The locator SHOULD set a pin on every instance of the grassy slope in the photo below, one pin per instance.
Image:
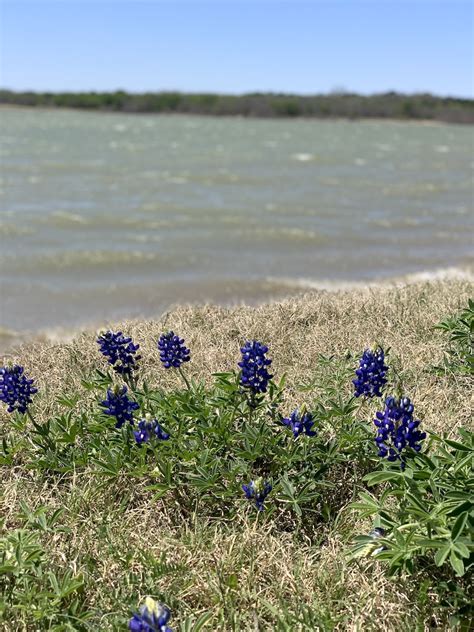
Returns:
(117, 534)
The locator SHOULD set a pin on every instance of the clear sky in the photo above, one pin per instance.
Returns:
(235, 47)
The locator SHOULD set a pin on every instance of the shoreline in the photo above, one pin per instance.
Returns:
(348, 105)
(329, 119)
(12, 341)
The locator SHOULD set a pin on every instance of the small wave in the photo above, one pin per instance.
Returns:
(303, 157)
(81, 259)
(63, 218)
(7, 334)
(11, 340)
(292, 233)
(441, 274)
(8, 229)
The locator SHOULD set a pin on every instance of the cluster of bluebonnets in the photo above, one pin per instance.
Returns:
(396, 427)
(397, 430)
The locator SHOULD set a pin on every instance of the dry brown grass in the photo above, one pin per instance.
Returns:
(297, 330)
(231, 570)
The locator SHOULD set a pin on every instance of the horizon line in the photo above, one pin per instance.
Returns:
(335, 92)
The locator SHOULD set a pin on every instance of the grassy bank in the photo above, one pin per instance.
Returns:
(112, 537)
(343, 105)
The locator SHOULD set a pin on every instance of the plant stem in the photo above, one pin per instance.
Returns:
(181, 372)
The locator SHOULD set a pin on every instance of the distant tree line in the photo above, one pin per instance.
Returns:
(343, 104)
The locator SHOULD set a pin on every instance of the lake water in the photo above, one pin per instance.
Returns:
(106, 216)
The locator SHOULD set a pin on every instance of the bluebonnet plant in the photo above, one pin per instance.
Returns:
(172, 350)
(371, 373)
(120, 352)
(254, 374)
(16, 389)
(258, 490)
(152, 617)
(397, 430)
(117, 404)
(300, 423)
(149, 428)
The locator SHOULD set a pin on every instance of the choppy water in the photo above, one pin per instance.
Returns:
(112, 215)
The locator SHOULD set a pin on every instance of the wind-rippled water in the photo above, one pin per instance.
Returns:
(113, 215)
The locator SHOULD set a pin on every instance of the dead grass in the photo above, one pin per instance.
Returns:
(297, 330)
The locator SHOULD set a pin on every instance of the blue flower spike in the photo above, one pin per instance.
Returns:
(117, 404)
(371, 373)
(16, 389)
(254, 363)
(173, 353)
(299, 423)
(152, 617)
(397, 430)
(149, 429)
(120, 352)
(257, 490)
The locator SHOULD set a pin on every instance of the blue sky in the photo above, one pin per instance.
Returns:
(235, 47)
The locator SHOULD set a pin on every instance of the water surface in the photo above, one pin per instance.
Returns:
(113, 215)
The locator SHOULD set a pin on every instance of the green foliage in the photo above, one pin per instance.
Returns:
(427, 509)
(220, 438)
(388, 105)
(34, 591)
(460, 329)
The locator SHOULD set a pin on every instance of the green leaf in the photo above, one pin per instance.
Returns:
(461, 548)
(459, 525)
(380, 477)
(457, 564)
(442, 554)
(458, 446)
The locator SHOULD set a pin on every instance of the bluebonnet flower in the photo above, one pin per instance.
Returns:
(254, 367)
(300, 422)
(152, 617)
(258, 490)
(15, 388)
(149, 428)
(172, 350)
(371, 373)
(117, 404)
(397, 430)
(119, 351)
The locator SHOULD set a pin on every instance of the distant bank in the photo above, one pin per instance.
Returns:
(264, 105)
